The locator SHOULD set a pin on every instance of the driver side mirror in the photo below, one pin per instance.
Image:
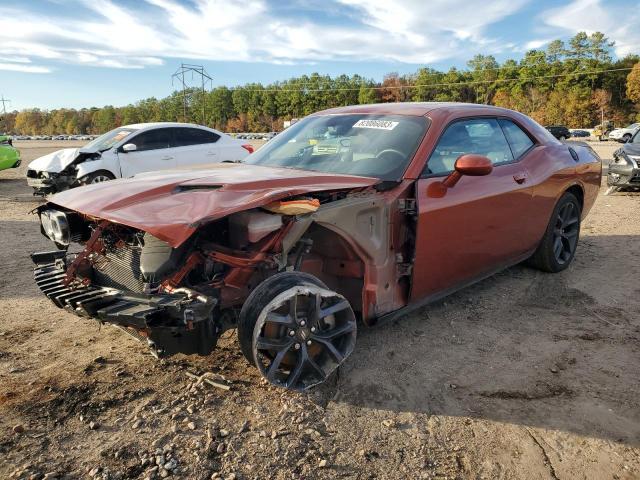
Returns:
(129, 147)
(471, 165)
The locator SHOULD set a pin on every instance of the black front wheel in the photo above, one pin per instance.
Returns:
(558, 245)
(295, 330)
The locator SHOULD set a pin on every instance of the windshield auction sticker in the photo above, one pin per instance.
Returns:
(379, 124)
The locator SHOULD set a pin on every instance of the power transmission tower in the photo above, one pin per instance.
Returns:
(4, 101)
(194, 70)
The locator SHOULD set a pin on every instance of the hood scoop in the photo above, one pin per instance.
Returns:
(191, 188)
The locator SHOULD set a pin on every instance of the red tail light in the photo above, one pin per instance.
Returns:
(248, 148)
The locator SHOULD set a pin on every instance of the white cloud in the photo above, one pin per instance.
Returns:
(19, 67)
(144, 34)
(619, 24)
(535, 44)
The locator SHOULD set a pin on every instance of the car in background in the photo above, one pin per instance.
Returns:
(624, 134)
(352, 216)
(559, 131)
(580, 133)
(9, 155)
(126, 151)
(624, 172)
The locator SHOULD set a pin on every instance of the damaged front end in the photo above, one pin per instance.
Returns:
(169, 297)
(47, 183)
(624, 171)
(57, 171)
(291, 259)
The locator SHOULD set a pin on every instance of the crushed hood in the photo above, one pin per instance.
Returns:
(55, 162)
(171, 205)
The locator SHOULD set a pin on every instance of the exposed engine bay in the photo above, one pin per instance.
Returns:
(135, 280)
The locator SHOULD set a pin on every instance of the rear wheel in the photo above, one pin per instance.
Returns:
(558, 246)
(295, 330)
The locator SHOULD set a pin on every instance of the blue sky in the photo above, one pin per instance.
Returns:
(82, 53)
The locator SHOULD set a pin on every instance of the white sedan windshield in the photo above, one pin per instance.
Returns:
(379, 146)
(108, 140)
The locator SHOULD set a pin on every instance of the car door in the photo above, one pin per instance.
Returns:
(195, 146)
(153, 152)
(479, 225)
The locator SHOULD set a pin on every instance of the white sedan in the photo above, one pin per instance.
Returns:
(131, 149)
(624, 134)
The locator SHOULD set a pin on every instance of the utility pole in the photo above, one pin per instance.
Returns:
(195, 70)
(4, 101)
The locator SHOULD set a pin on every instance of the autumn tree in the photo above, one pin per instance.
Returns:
(633, 84)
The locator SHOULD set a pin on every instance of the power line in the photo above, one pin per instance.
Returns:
(430, 85)
(456, 70)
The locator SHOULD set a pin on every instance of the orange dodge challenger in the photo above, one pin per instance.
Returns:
(352, 216)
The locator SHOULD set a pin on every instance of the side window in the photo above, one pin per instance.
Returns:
(482, 136)
(184, 137)
(520, 142)
(152, 140)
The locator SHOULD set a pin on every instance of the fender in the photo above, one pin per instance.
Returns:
(108, 161)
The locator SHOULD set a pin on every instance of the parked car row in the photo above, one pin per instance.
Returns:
(54, 137)
(607, 132)
(131, 149)
(255, 136)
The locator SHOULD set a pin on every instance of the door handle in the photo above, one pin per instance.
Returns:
(211, 154)
(520, 178)
(167, 157)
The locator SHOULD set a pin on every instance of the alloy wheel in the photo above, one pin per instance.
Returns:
(567, 228)
(100, 179)
(302, 336)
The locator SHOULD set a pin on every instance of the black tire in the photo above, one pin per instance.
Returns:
(258, 299)
(295, 330)
(626, 137)
(98, 176)
(558, 245)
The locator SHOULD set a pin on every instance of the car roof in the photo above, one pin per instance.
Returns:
(140, 126)
(412, 108)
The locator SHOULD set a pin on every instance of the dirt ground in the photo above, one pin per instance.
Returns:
(524, 375)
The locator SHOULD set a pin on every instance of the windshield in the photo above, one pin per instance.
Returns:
(108, 140)
(636, 138)
(379, 146)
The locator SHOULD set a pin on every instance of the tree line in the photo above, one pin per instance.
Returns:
(575, 84)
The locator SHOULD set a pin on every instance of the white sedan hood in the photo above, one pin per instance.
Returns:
(55, 162)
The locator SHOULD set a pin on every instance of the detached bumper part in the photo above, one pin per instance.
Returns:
(623, 175)
(46, 185)
(171, 323)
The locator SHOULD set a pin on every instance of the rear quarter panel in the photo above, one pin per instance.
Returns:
(554, 172)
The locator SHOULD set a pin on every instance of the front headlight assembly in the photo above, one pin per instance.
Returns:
(55, 225)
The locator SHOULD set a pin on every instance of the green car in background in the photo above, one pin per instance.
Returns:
(9, 155)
